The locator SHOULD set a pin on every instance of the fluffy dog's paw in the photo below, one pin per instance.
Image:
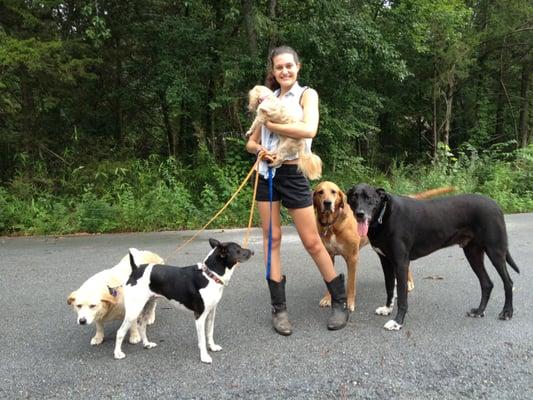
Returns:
(119, 355)
(206, 358)
(151, 319)
(383, 310)
(392, 325)
(96, 340)
(134, 339)
(149, 345)
(325, 302)
(215, 347)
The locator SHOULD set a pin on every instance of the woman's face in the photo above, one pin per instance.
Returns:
(285, 70)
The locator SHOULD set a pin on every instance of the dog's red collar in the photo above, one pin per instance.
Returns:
(211, 274)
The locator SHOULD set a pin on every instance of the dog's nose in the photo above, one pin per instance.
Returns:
(359, 214)
(82, 321)
(327, 204)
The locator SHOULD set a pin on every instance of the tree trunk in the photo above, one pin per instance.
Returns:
(273, 36)
(117, 101)
(500, 103)
(171, 137)
(449, 102)
(248, 12)
(524, 110)
(434, 122)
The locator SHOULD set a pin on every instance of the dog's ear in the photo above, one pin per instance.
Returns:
(108, 298)
(71, 298)
(316, 198)
(343, 200)
(214, 243)
(381, 192)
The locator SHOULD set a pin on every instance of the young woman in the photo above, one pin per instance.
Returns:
(291, 189)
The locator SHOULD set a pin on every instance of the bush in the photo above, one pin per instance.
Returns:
(160, 194)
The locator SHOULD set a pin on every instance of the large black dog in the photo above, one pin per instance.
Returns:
(401, 229)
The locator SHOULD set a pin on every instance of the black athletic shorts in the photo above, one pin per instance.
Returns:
(289, 185)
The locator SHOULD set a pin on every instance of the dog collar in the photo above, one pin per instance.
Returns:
(211, 274)
(380, 218)
(327, 227)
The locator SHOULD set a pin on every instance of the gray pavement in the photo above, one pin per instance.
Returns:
(439, 354)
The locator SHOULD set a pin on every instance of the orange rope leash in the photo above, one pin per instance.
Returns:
(226, 206)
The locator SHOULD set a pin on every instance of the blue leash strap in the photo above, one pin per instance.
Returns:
(269, 253)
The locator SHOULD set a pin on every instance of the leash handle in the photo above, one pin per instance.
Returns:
(269, 253)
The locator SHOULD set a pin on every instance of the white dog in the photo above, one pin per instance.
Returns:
(101, 298)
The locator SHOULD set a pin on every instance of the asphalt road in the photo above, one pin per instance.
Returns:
(439, 354)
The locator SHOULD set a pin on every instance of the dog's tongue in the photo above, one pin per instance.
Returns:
(362, 228)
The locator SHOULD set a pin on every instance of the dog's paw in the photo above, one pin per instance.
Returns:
(215, 347)
(392, 325)
(506, 315)
(351, 305)
(475, 313)
(151, 319)
(325, 302)
(410, 286)
(134, 339)
(383, 310)
(149, 345)
(119, 355)
(206, 358)
(96, 340)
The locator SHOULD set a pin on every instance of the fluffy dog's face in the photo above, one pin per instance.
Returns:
(364, 200)
(89, 305)
(328, 198)
(256, 95)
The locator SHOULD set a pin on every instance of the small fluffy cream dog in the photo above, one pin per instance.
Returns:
(101, 298)
(268, 107)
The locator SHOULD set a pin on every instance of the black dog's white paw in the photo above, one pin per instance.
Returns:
(475, 313)
(383, 310)
(392, 325)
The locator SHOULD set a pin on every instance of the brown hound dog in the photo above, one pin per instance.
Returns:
(338, 229)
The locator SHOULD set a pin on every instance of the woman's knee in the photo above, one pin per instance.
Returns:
(276, 236)
(313, 245)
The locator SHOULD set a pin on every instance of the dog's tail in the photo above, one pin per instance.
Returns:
(310, 165)
(133, 252)
(427, 194)
(511, 262)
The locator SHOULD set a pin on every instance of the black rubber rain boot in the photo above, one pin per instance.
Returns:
(339, 311)
(280, 316)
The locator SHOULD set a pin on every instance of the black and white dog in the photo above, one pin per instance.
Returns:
(197, 287)
(401, 229)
